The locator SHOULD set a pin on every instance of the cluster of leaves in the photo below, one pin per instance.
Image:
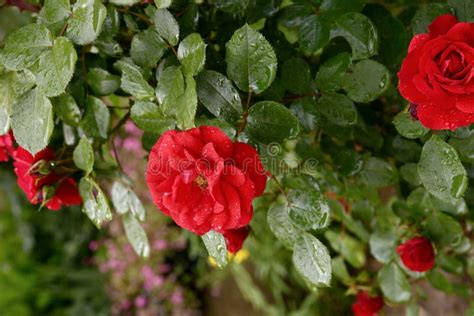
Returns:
(310, 83)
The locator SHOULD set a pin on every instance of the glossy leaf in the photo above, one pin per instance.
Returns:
(147, 48)
(219, 96)
(86, 21)
(136, 235)
(149, 117)
(308, 209)
(84, 156)
(271, 122)
(216, 247)
(32, 121)
(166, 26)
(312, 261)
(192, 54)
(441, 170)
(251, 61)
(95, 204)
(393, 283)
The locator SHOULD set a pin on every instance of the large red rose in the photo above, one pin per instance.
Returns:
(6, 147)
(417, 254)
(437, 76)
(204, 181)
(36, 179)
(366, 305)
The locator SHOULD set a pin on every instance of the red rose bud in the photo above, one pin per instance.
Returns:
(203, 180)
(438, 74)
(6, 147)
(417, 254)
(366, 305)
(41, 184)
(235, 238)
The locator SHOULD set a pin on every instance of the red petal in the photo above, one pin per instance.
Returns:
(434, 117)
(221, 141)
(247, 159)
(441, 25)
(466, 104)
(235, 238)
(418, 41)
(68, 193)
(462, 32)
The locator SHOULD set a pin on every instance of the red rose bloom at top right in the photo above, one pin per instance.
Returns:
(437, 76)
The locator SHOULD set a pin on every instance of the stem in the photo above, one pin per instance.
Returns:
(122, 121)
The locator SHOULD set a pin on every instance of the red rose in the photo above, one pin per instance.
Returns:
(366, 305)
(437, 75)
(40, 184)
(6, 147)
(417, 254)
(235, 238)
(204, 181)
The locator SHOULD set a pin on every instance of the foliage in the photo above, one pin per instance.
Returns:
(311, 84)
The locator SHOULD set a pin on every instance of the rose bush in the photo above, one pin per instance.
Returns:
(276, 131)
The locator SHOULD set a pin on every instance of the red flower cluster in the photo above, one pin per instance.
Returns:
(437, 76)
(366, 305)
(6, 147)
(417, 254)
(204, 181)
(42, 185)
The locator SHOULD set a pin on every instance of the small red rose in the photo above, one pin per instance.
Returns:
(203, 180)
(366, 305)
(417, 254)
(437, 76)
(235, 238)
(6, 147)
(42, 185)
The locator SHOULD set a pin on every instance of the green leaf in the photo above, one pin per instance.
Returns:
(426, 14)
(219, 96)
(12, 85)
(296, 75)
(359, 31)
(166, 26)
(147, 48)
(251, 61)
(377, 172)
(331, 73)
(192, 54)
(102, 82)
(126, 201)
(169, 87)
(136, 235)
(55, 67)
(382, 245)
(216, 247)
(408, 127)
(441, 171)
(54, 14)
(443, 229)
(186, 105)
(96, 120)
(84, 156)
(464, 9)
(24, 46)
(332, 9)
(337, 109)
(271, 122)
(132, 81)
(32, 121)
(393, 283)
(312, 261)
(149, 117)
(309, 210)
(348, 247)
(281, 226)
(409, 173)
(464, 147)
(313, 34)
(124, 2)
(163, 4)
(86, 21)
(95, 204)
(339, 270)
(367, 81)
(67, 110)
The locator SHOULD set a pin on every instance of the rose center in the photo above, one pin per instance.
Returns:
(201, 182)
(451, 64)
